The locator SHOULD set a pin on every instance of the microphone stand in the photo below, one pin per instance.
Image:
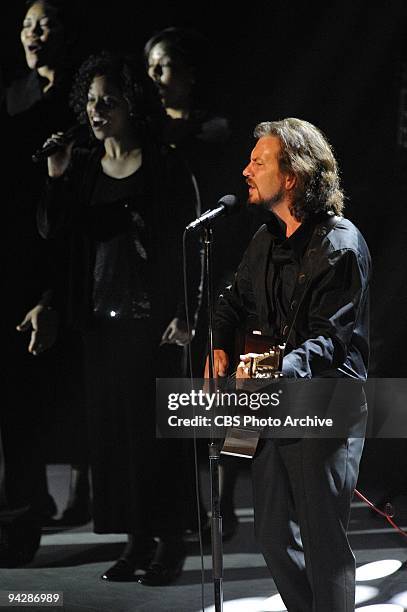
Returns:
(214, 446)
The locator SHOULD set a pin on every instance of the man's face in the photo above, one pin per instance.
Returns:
(266, 183)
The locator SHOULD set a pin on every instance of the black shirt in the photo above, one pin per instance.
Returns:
(121, 274)
(283, 267)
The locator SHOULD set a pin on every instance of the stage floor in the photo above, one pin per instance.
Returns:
(71, 561)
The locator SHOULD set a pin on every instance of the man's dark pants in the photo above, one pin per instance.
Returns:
(302, 496)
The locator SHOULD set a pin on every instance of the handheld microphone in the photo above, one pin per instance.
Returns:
(227, 205)
(53, 147)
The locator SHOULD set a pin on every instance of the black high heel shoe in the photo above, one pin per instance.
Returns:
(166, 565)
(137, 555)
(19, 541)
(122, 571)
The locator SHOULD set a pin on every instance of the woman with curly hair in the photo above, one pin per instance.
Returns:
(125, 204)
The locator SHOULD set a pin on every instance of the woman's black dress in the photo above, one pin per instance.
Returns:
(125, 288)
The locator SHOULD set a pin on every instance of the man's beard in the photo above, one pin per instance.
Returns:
(276, 199)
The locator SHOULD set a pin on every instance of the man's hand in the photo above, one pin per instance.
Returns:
(177, 333)
(220, 364)
(243, 369)
(42, 321)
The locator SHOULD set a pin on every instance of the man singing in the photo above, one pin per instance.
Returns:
(309, 260)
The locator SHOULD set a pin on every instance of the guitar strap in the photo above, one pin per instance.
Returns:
(305, 273)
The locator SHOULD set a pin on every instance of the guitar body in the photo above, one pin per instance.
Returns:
(266, 363)
(253, 342)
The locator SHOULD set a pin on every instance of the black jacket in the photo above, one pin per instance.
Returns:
(330, 336)
(65, 213)
(27, 118)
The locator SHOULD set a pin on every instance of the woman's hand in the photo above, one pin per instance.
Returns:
(60, 160)
(42, 321)
(177, 333)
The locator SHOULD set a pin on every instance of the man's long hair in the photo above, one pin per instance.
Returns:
(306, 153)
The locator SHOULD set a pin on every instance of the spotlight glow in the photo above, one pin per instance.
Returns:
(377, 569)
(364, 593)
(253, 604)
(400, 598)
(273, 604)
(248, 604)
(381, 608)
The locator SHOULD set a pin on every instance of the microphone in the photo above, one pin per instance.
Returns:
(227, 205)
(53, 147)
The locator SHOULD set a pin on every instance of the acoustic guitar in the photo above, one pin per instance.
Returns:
(265, 363)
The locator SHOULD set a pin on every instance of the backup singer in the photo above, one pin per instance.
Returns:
(35, 102)
(124, 205)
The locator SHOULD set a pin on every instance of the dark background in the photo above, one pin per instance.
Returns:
(340, 65)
